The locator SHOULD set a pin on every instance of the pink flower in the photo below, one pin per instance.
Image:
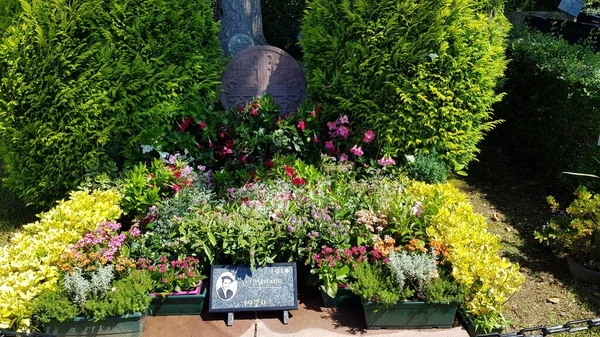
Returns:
(163, 259)
(298, 181)
(244, 158)
(331, 125)
(386, 161)
(315, 139)
(343, 131)
(226, 150)
(254, 112)
(202, 125)
(176, 188)
(288, 170)
(135, 232)
(357, 151)
(329, 145)
(301, 125)
(344, 120)
(417, 209)
(313, 113)
(369, 136)
(343, 157)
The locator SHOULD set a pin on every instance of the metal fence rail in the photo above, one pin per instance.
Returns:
(573, 326)
(7, 333)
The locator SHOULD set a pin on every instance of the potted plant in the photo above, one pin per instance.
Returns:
(575, 234)
(334, 268)
(407, 290)
(100, 292)
(177, 286)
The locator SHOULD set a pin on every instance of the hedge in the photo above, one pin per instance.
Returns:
(552, 105)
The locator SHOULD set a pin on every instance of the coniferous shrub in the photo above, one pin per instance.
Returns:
(82, 79)
(421, 74)
(8, 10)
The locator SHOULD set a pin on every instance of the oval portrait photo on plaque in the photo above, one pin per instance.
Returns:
(226, 286)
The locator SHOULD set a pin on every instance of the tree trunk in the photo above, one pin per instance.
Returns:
(240, 17)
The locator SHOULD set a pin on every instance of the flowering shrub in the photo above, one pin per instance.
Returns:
(487, 278)
(175, 275)
(101, 247)
(29, 264)
(334, 266)
(144, 186)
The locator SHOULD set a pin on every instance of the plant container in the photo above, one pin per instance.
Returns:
(409, 315)
(179, 303)
(131, 325)
(469, 325)
(344, 298)
(583, 273)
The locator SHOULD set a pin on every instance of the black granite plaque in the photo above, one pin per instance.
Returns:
(239, 288)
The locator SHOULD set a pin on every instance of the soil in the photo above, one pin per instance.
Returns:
(513, 200)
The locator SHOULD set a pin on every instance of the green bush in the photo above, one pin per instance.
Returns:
(82, 79)
(428, 168)
(551, 106)
(8, 10)
(281, 23)
(420, 74)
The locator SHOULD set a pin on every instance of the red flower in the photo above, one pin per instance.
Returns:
(289, 171)
(177, 174)
(301, 125)
(200, 147)
(269, 163)
(185, 124)
(298, 181)
(230, 143)
(254, 112)
(202, 125)
(176, 188)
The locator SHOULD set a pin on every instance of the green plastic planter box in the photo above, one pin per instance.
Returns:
(344, 298)
(409, 315)
(131, 325)
(469, 325)
(179, 303)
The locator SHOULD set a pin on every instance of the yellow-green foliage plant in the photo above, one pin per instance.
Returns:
(421, 74)
(28, 264)
(488, 279)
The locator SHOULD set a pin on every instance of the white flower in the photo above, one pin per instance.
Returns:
(410, 158)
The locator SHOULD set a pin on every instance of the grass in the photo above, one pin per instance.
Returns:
(513, 201)
(13, 214)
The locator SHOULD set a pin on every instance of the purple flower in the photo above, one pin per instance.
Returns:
(343, 120)
(290, 228)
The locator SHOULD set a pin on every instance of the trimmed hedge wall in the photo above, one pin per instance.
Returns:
(82, 79)
(281, 23)
(552, 106)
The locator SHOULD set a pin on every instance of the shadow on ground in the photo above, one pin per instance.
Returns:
(512, 198)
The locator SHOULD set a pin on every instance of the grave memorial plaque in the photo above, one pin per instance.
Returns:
(571, 7)
(239, 288)
(258, 70)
